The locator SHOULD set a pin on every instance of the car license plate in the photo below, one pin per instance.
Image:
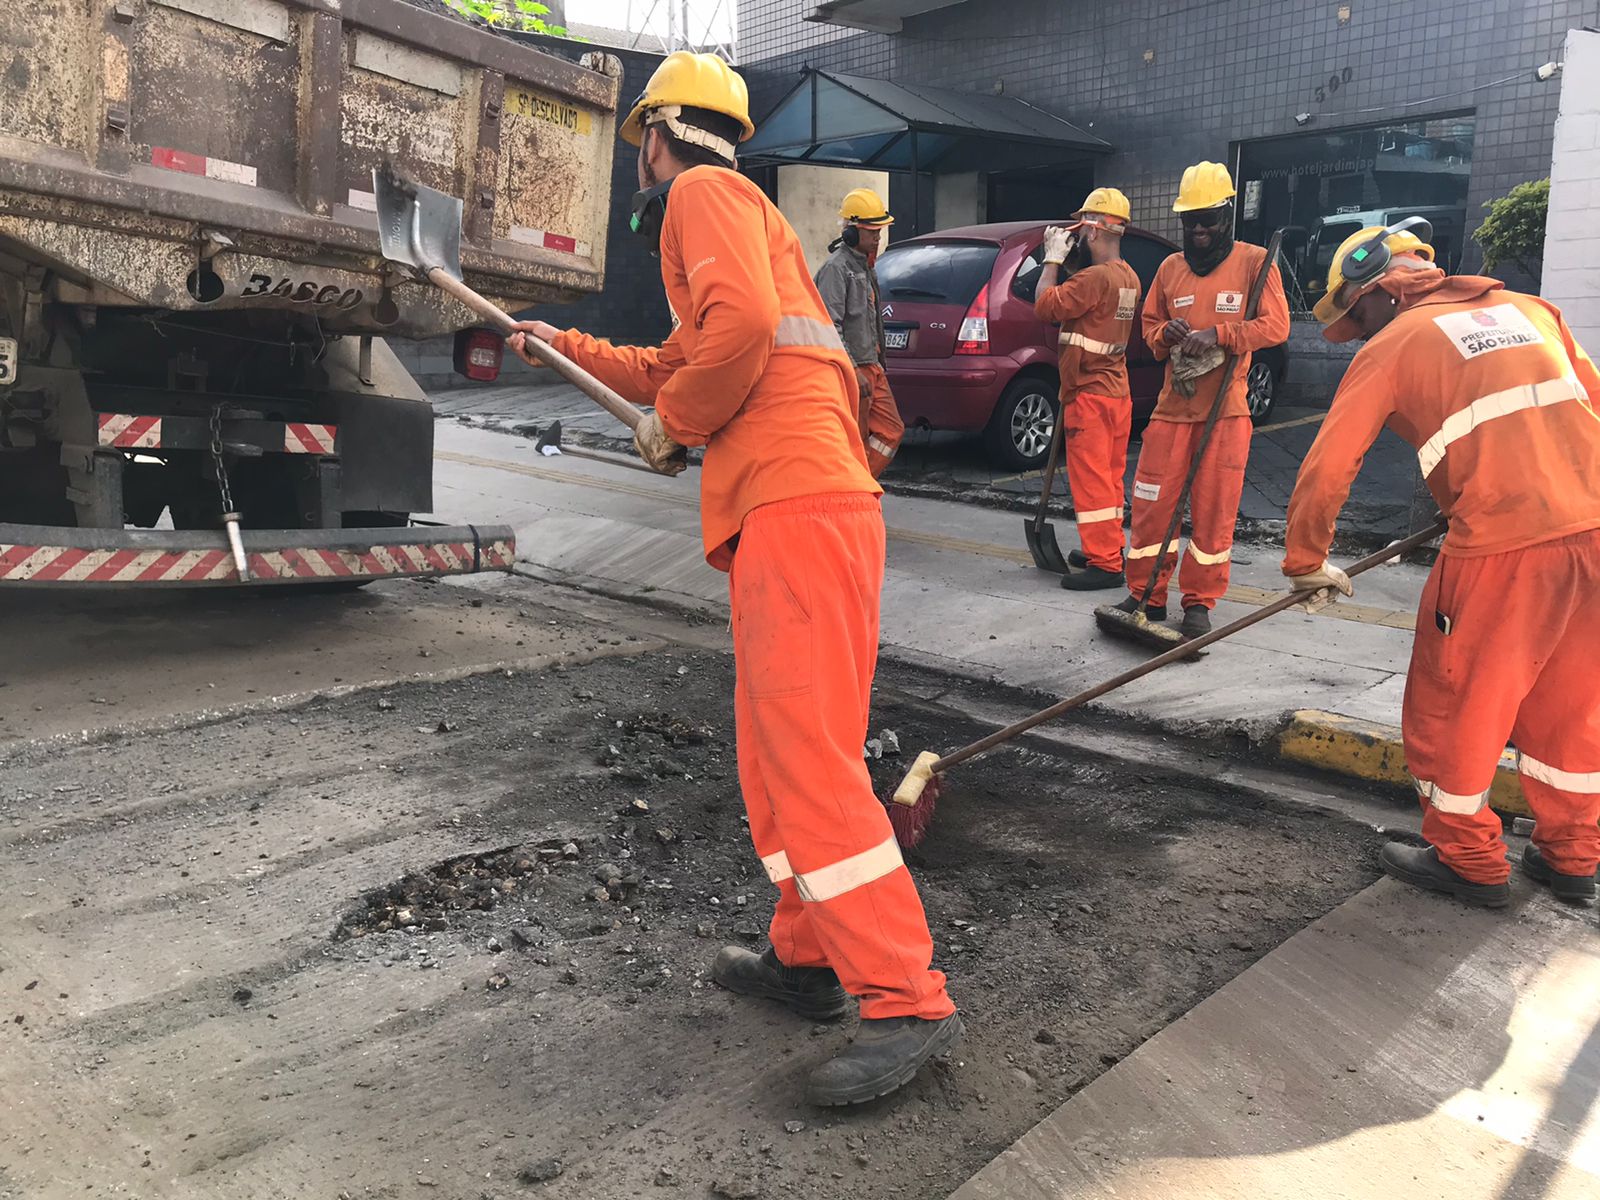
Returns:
(8, 361)
(896, 339)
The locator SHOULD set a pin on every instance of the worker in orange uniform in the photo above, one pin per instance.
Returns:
(1497, 398)
(754, 372)
(1194, 318)
(848, 281)
(1095, 307)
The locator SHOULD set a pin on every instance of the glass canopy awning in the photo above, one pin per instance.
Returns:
(829, 119)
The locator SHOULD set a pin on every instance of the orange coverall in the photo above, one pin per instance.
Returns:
(1095, 308)
(755, 373)
(1491, 389)
(1209, 301)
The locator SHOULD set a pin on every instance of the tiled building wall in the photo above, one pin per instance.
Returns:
(1169, 83)
(1572, 243)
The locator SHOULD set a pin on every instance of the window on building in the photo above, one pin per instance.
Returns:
(1322, 187)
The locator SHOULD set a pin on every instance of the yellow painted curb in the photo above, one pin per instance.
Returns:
(1369, 750)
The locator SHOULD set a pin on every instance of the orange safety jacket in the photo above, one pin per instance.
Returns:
(1497, 398)
(1214, 301)
(754, 370)
(1095, 308)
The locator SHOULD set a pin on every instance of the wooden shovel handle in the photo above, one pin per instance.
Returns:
(629, 414)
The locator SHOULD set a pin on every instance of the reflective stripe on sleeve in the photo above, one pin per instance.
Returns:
(1496, 404)
(806, 331)
(1209, 560)
(1586, 783)
(826, 883)
(1451, 802)
(878, 445)
(1101, 514)
(1111, 349)
(777, 867)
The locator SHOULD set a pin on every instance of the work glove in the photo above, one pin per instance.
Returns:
(1187, 369)
(1058, 243)
(659, 451)
(1324, 584)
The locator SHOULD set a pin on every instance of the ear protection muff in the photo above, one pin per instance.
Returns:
(650, 212)
(1372, 257)
(851, 236)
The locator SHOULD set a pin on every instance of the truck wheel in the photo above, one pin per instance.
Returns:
(1018, 434)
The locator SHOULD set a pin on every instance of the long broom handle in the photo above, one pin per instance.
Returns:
(629, 414)
(1186, 650)
(1252, 306)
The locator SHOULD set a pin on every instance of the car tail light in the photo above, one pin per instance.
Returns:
(478, 353)
(973, 337)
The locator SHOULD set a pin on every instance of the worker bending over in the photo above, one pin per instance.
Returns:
(1194, 318)
(1497, 398)
(754, 372)
(1095, 307)
(848, 282)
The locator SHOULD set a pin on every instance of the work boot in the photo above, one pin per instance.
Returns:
(1574, 889)
(883, 1057)
(1196, 622)
(1153, 612)
(1092, 579)
(810, 992)
(1078, 559)
(1421, 868)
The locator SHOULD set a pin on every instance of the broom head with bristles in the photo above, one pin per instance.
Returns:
(911, 806)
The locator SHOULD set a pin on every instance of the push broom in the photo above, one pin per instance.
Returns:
(1136, 625)
(911, 807)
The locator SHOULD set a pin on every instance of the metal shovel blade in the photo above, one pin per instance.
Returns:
(1043, 546)
(418, 227)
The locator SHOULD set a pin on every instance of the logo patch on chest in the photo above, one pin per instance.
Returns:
(1182, 301)
(1482, 331)
(1230, 302)
(1127, 302)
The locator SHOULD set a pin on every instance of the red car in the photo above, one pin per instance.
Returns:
(966, 352)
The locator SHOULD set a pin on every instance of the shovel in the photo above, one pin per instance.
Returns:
(420, 228)
(1040, 533)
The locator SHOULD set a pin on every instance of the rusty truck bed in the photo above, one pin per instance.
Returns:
(210, 154)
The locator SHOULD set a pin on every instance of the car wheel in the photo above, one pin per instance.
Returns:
(1018, 434)
(1261, 392)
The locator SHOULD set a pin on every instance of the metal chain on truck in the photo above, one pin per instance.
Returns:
(230, 515)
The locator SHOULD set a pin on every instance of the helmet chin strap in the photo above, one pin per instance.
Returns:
(668, 115)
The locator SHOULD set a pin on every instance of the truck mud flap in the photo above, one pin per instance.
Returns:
(49, 555)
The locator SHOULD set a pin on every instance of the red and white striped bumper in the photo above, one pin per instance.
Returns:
(125, 431)
(39, 555)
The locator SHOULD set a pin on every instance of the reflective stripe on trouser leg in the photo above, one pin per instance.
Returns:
(805, 582)
(1458, 711)
(1558, 727)
(1214, 510)
(1096, 429)
(884, 428)
(793, 937)
(1157, 480)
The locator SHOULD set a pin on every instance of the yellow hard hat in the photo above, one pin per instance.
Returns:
(686, 80)
(1204, 185)
(1108, 202)
(863, 206)
(1338, 299)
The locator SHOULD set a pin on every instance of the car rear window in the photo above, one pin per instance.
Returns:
(936, 272)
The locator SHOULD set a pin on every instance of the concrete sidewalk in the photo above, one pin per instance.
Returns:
(960, 592)
(1403, 1046)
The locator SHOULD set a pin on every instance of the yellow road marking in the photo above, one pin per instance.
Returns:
(1239, 593)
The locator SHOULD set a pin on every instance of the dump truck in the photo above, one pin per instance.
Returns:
(195, 318)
